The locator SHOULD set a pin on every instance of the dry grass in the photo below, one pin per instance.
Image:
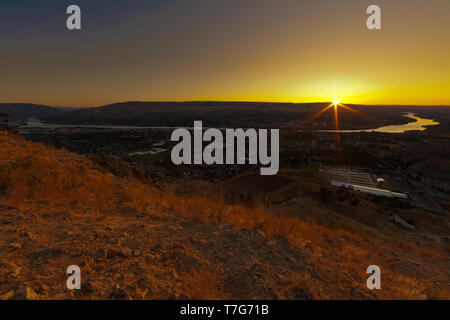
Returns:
(33, 173)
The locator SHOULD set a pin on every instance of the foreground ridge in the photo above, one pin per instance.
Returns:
(134, 241)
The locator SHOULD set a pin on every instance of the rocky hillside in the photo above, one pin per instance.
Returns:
(133, 241)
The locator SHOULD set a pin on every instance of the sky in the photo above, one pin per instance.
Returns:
(241, 50)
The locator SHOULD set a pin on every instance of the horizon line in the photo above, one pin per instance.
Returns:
(226, 101)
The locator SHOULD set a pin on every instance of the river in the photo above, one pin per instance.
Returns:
(419, 124)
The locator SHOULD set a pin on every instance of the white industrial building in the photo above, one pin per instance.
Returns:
(375, 191)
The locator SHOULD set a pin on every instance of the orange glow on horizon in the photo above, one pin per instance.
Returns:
(279, 51)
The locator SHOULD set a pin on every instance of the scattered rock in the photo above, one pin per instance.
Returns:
(44, 254)
(7, 295)
(130, 244)
(31, 294)
(125, 252)
(118, 294)
(151, 259)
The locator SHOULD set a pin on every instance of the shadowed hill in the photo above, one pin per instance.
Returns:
(241, 114)
(133, 241)
(22, 111)
(225, 114)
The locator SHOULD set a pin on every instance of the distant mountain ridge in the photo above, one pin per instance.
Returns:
(237, 114)
(213, 113)
(217, 114)
(22, 111)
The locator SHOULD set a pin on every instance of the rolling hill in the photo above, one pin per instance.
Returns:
(134, 241)
(241, 114)
(223, 114)
(22, 111)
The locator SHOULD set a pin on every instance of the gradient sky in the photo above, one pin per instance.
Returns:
(254, 50)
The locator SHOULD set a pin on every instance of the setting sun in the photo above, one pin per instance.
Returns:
(336, 102)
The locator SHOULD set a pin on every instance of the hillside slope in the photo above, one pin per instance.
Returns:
(213, 113)
(22, 111)
(242, 114)
(133, 241)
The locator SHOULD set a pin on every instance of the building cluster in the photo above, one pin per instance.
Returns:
(358, 181)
